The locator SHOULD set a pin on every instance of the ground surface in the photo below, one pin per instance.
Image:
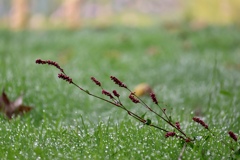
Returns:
(194, 72)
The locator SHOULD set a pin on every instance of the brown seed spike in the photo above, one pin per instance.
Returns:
(170, 134)
(198, 120)
(115, 93)
(154, 99)
(133, 99)
(233, 135)
(39, 61)
(64, 77)
(118, 82)
(96, 81)
(178, 125)
(107, 93)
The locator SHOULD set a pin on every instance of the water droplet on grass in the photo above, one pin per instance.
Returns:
(198, 138)
(35, 144)
(208, 153)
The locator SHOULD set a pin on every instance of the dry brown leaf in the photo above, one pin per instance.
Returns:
(142, 89)
(152, 50)
(11, 109)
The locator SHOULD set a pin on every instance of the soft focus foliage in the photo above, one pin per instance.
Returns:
(73, 14)
(194, 72)
(213, 11)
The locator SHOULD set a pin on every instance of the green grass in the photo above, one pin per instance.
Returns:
(194, 72)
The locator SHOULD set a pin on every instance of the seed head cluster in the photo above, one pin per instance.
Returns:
(154, 99)
(96, 81)
(118, 82)
(170, 134)
(233, 135)
(133, 99)
(178, 125)
(107, 93)
(198, 120)
(115, 93)
(64, 77)
(52, 63)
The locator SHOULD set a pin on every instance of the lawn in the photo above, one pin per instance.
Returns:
(194, 72)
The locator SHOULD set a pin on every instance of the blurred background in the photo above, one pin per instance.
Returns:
(72, 14)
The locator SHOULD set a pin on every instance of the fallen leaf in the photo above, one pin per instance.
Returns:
(187, 45)
(65, 56)
(142, 89)
(11, 109)
(152, 50)
(172, 26)
(112, 54)
(198, 25)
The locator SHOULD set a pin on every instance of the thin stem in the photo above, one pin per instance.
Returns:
(182, 151)
(115, 101)
(121, 106)
(95, 95)
(167, 121)
(131, 113)
(142, 120)
(152, 125)
(164, 112)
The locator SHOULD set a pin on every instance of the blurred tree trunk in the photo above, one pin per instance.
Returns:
(236, 11)
(72, 13)
(19, 14)
(68, 14)
(213, 11)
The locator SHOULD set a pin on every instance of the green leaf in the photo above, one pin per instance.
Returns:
(142, 116)
(170, 118)
(148, 122)
(207, 138)
(225, 93)
(237, 152)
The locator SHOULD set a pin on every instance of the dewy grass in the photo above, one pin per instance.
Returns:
(114, 97)
(65, 124)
